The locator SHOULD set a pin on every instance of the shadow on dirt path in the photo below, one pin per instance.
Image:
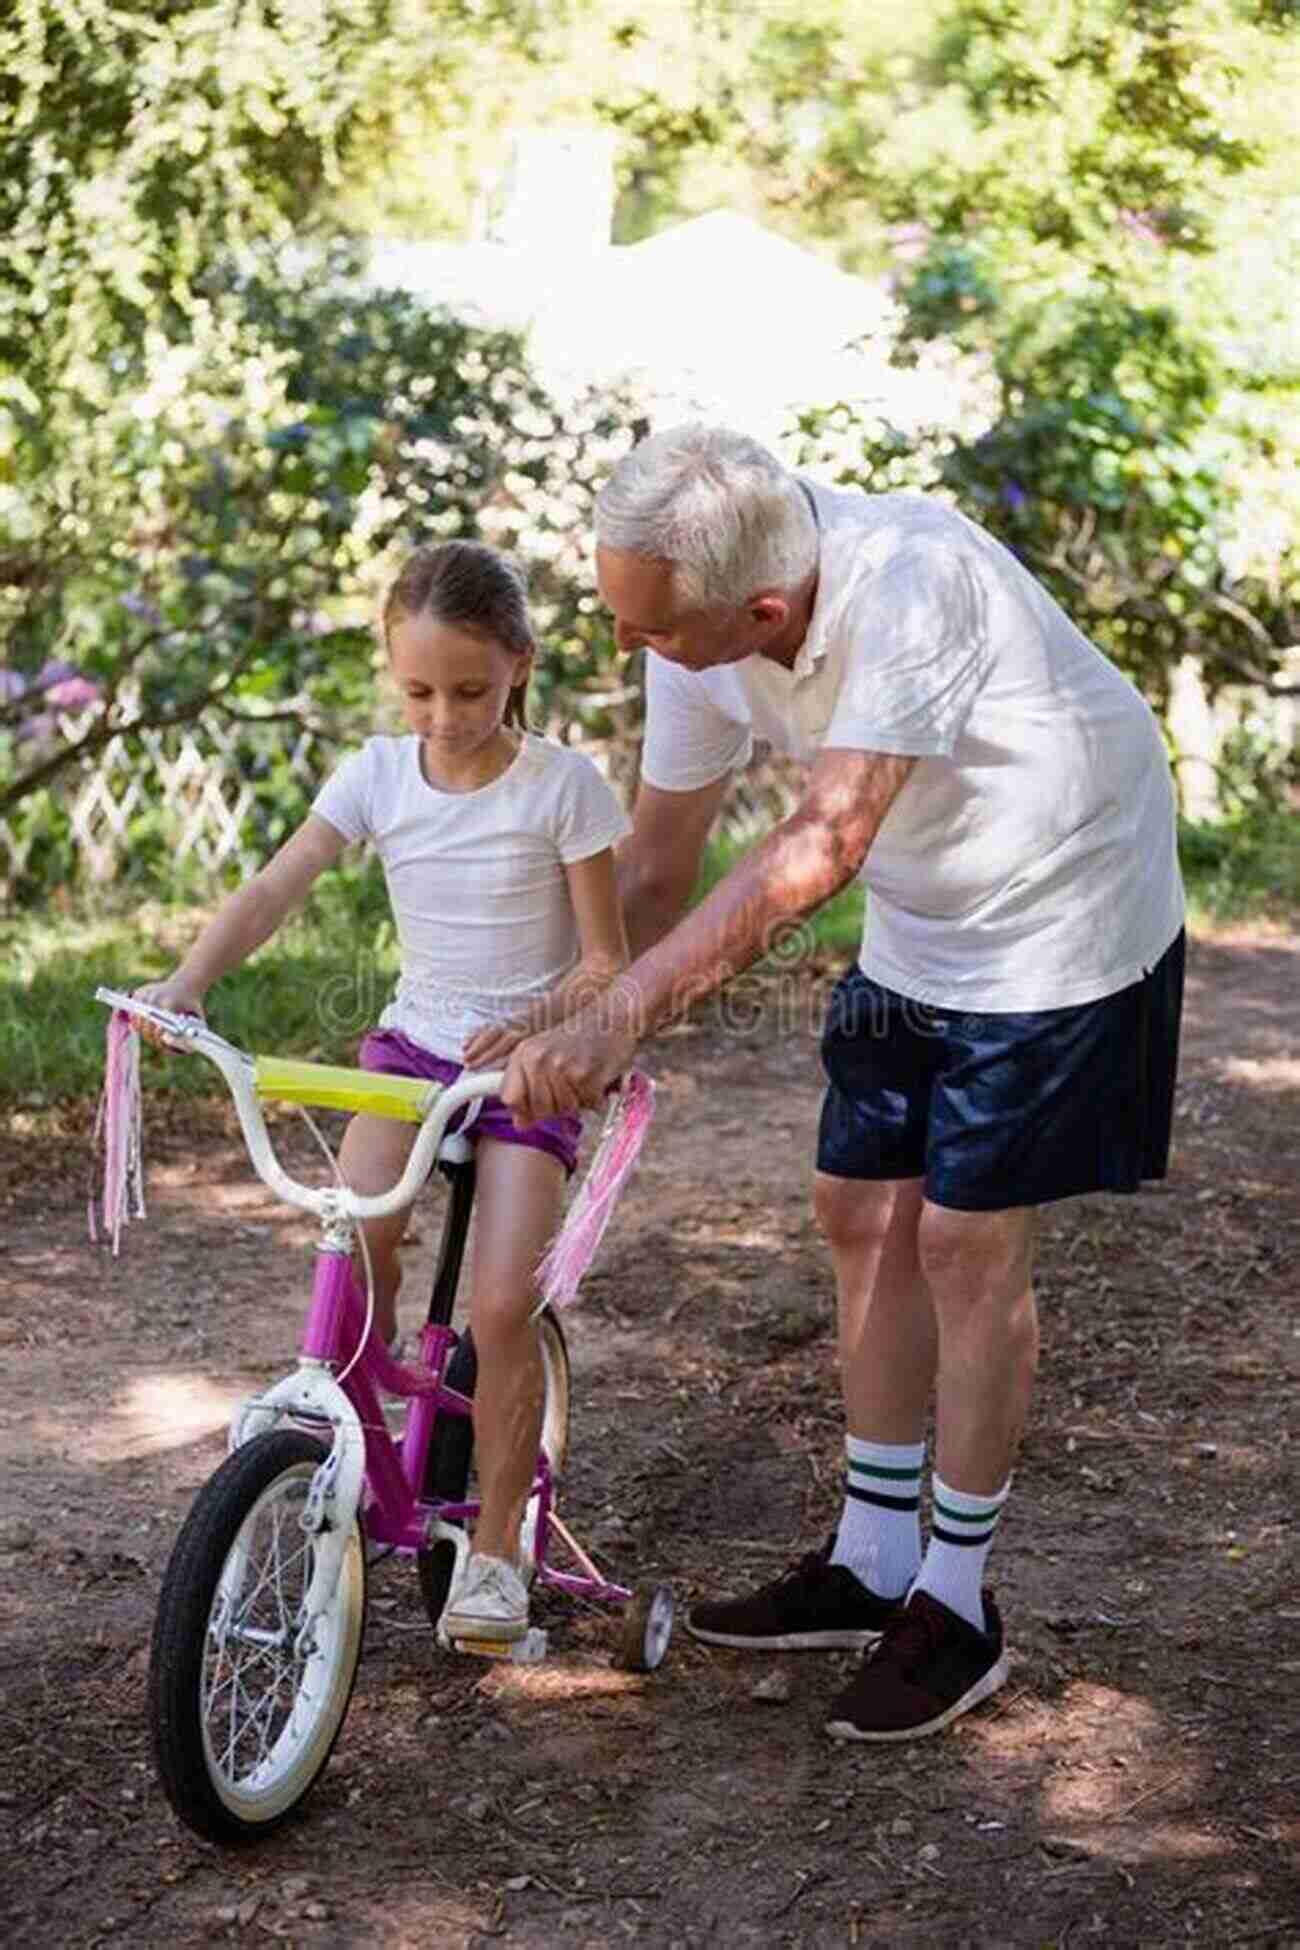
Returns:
(1136, 1784)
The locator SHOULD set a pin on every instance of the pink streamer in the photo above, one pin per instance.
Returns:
(573, 1248)
(118, 1125)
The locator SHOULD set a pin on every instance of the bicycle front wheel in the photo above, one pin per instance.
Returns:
(243, 1721)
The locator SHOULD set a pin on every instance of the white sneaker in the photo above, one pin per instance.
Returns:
(490, 1602)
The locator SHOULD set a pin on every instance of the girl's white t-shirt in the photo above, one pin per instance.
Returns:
(1030, 861)
(476, 879)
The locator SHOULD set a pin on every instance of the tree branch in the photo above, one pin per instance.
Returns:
(1195, 640)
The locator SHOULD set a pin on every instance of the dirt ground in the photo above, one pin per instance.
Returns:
(1137, 1783)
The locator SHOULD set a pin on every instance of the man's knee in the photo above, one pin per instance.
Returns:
(968, 1256)
(857, 1212)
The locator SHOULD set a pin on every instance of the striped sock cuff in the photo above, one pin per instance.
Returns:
(957, 1517)
(885, 1474)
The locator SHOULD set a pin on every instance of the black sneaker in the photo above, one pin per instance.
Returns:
(814, 1606)
(929, 1667)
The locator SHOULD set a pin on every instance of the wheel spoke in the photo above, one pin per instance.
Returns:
(256, 1689)
(260, 1697)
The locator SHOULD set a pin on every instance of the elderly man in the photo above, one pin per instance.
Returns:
(1008, 1036)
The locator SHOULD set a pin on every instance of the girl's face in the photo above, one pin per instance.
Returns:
(454, 685)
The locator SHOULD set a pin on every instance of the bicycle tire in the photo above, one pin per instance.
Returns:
(452, 1449)
(197, 1684)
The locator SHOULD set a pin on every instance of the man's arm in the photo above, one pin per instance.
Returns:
(795, 870)
(808, 857)
(659, 861)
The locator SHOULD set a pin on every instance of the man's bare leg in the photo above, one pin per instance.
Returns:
(978, 1267)
(888, 1347)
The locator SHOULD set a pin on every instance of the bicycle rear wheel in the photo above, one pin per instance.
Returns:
(242, 1723)
(452, 1449)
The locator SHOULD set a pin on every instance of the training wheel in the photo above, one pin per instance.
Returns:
(647, 1628)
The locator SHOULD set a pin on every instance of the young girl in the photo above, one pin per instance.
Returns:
(497, 851)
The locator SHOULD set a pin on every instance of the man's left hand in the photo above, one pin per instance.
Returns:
(565, 1069)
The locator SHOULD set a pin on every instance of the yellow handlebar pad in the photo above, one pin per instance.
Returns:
(281, 1080)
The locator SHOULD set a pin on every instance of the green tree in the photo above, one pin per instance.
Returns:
(1062, 182)
(204, 452)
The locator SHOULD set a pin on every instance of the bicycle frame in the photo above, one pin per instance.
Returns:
(341, 1378)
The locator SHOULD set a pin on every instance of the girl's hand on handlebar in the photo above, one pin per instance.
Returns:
(172, 995)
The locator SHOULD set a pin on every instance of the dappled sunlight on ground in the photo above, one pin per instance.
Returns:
(424, 1912)
(31, 1276)
(1273, 1073)
(1098, 1756)
(155, 1411)
(559, 1682)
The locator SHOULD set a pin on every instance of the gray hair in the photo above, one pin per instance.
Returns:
(718, 506)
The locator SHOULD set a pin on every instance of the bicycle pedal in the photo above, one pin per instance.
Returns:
(527, 1651)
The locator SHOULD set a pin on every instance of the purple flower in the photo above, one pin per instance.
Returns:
(57, 683)
(53, 672)
(1139, 224)
(1013, 494)
(137, 605)
(910, 241)
(314, 622)
(73, 693)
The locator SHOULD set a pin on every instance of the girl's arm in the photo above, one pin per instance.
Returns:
(250, 916)
(602, 940)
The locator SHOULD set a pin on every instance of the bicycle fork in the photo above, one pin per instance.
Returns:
(314, 1393)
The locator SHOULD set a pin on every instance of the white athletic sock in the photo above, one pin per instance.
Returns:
(879, 1538)
(961, 1531)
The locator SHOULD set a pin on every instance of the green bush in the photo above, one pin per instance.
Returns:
(1243, 868)
(1111, 471)
(310, 992)
(232, 579)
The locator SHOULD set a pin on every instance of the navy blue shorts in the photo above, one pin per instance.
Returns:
(996, 1111)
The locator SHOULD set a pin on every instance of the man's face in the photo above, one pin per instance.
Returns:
(638, 592)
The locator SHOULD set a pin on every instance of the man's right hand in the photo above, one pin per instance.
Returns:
(567, 1068)
(172, 994)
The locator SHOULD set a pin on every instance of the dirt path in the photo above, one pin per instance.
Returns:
(1137, 1784)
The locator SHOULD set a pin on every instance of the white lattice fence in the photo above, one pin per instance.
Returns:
(196, 778)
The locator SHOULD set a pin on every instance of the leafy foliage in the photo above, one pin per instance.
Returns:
(1109, 474)
(259, 511)
(210, 446)
(211, 438)
(1085, 168)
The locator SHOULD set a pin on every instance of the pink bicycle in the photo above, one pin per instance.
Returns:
(260, 1624)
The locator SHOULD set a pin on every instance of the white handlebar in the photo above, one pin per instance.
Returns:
(239, 1071)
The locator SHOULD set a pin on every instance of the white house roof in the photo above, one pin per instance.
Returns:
(717, 317)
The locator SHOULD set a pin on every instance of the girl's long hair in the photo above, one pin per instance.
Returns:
(470, 587)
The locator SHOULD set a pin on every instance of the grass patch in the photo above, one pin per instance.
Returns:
(312, 991)
(1243, 869)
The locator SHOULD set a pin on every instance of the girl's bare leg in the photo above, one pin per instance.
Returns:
(372, 1158)
(518, 1208)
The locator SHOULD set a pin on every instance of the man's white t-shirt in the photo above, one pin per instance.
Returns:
(1030, 861)
(476, 879)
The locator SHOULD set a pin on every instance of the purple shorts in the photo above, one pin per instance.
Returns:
(393, 1054)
